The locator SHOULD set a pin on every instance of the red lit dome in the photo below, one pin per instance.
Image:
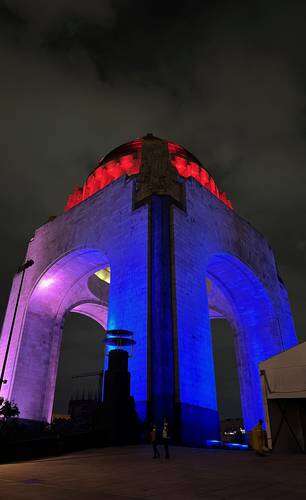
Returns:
(126, 160)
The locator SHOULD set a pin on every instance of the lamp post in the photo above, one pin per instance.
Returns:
(21, 269)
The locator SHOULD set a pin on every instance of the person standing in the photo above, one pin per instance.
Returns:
(166, 438)
(154, 442)
(258, 439)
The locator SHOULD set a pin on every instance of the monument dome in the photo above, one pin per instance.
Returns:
(127, 160)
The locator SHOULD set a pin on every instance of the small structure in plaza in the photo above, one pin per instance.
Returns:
(149, 244)
(283, 380)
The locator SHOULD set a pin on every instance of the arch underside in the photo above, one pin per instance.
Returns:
(97, 312)
(235, 294)
(218, 306)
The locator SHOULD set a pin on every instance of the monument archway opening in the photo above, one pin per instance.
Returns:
(236, 295)
(66, 286)
(81, 363)
(226, 371)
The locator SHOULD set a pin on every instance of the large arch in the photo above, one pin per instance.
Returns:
(62, 288)
(239, 297)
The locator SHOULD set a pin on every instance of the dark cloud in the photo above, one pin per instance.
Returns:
(39, 14)
(225, 79)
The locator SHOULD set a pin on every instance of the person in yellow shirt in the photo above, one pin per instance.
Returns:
(258, 439)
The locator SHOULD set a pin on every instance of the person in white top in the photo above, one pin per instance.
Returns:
(166, 438)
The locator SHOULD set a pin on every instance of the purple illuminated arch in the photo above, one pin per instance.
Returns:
(61, 289)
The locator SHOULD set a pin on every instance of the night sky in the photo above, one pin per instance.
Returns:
(225, 79)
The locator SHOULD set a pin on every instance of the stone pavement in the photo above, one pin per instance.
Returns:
(130, 473)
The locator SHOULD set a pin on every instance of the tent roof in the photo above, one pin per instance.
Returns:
(285, 373)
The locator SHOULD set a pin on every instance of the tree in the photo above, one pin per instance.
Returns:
(8, 409)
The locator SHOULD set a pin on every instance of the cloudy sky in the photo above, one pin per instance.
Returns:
(225, 79)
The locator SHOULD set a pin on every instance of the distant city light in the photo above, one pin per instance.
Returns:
(232, 433)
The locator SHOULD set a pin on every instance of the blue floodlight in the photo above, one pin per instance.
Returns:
(213, 443)
(237, 446)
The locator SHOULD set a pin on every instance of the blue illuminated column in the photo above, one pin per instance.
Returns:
(128, 298)
(158, 187)
(196, 388)
(161, 339)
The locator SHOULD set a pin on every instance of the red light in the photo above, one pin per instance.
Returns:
(204, 178)
(192, 169)
(129, 164)
(181, 166)
(90, 186)
(102, 176)
(74, 198)
(213, 187)
(174, 148)
(105, 179)
(113, 169)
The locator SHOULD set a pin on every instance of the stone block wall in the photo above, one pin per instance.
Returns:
(103, 230)
(211, 240)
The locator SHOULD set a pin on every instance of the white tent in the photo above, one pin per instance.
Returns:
(283, 380)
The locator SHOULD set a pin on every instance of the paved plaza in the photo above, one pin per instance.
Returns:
(130, 473)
